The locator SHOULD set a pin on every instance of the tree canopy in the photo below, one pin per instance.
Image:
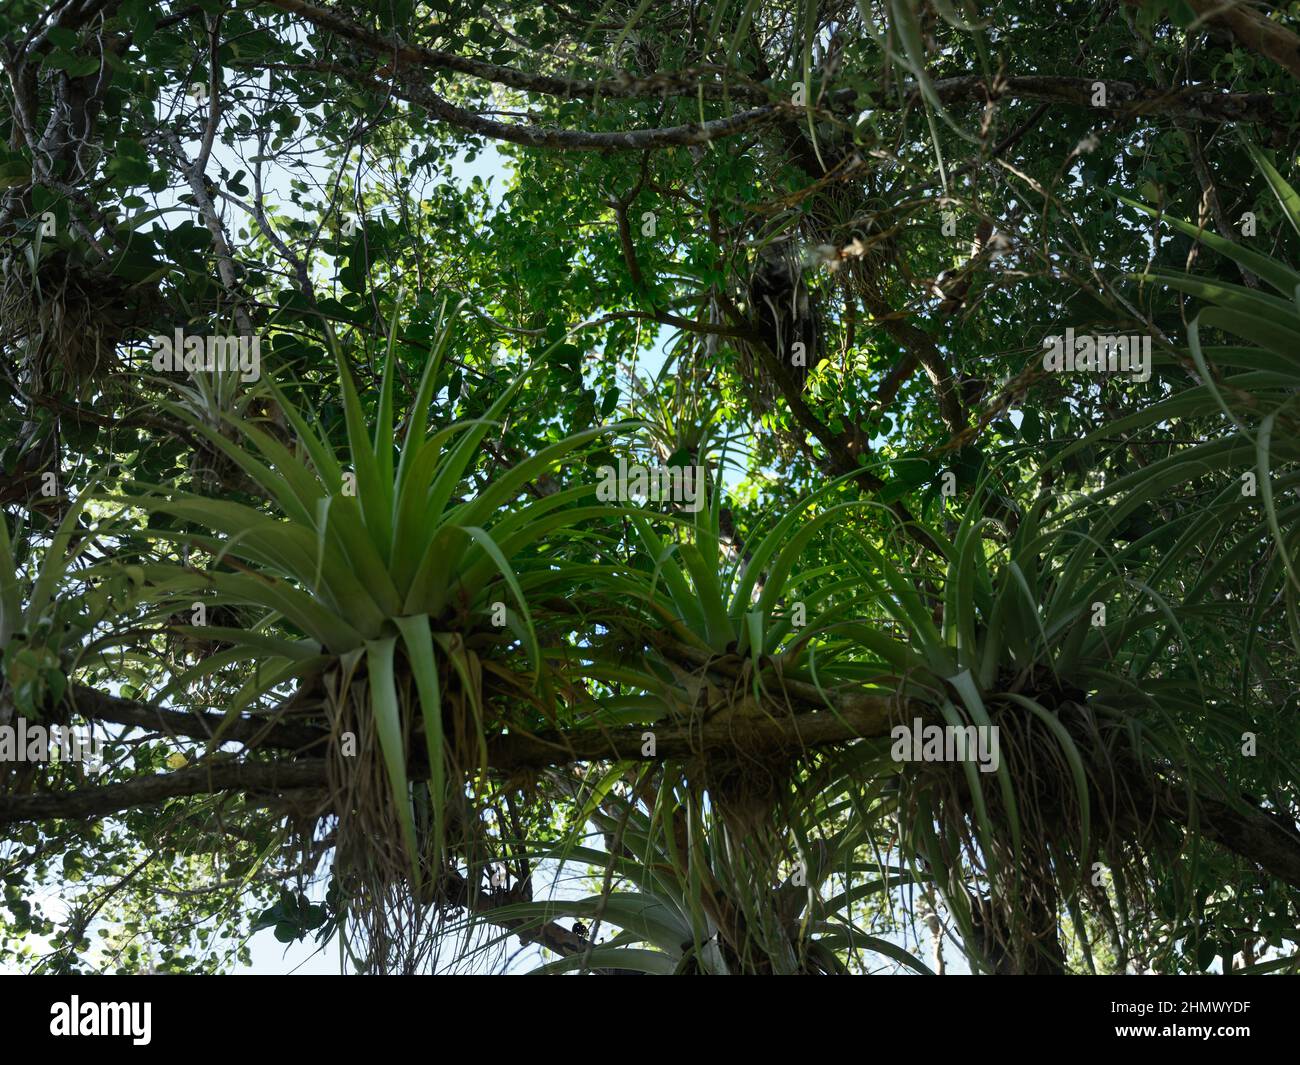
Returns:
(542, 474)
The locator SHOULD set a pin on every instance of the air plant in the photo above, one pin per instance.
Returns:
(381, 580)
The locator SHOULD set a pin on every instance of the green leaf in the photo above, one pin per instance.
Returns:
(390, 729)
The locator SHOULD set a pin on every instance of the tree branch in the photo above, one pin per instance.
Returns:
(194, 176)
(401, 54)
(922, 348)
(1195, 102)
(1253, 30)
(580, 140)
(205, 779)
(852, 719)
(1265, 839)
(255, 732)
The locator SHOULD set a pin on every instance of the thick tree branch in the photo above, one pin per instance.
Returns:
(206, 779)
(1253, 30)
(1123, 98)
(862, 717)
(267, 733)
(1245, 829)
(852, 719)
(1249, 831)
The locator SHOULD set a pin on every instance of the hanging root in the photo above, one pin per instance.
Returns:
(760, 874)
(396, 898)
(1040, 846)
(67, 321)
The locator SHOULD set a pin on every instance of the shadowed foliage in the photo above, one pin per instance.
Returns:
(538, 475)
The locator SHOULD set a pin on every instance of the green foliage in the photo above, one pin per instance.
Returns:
(377, 586)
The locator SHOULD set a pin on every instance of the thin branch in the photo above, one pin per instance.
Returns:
(214, 97)
(580, 140)
(1123, 98)
(401, 55)
(1201, 103)
(195, 177)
